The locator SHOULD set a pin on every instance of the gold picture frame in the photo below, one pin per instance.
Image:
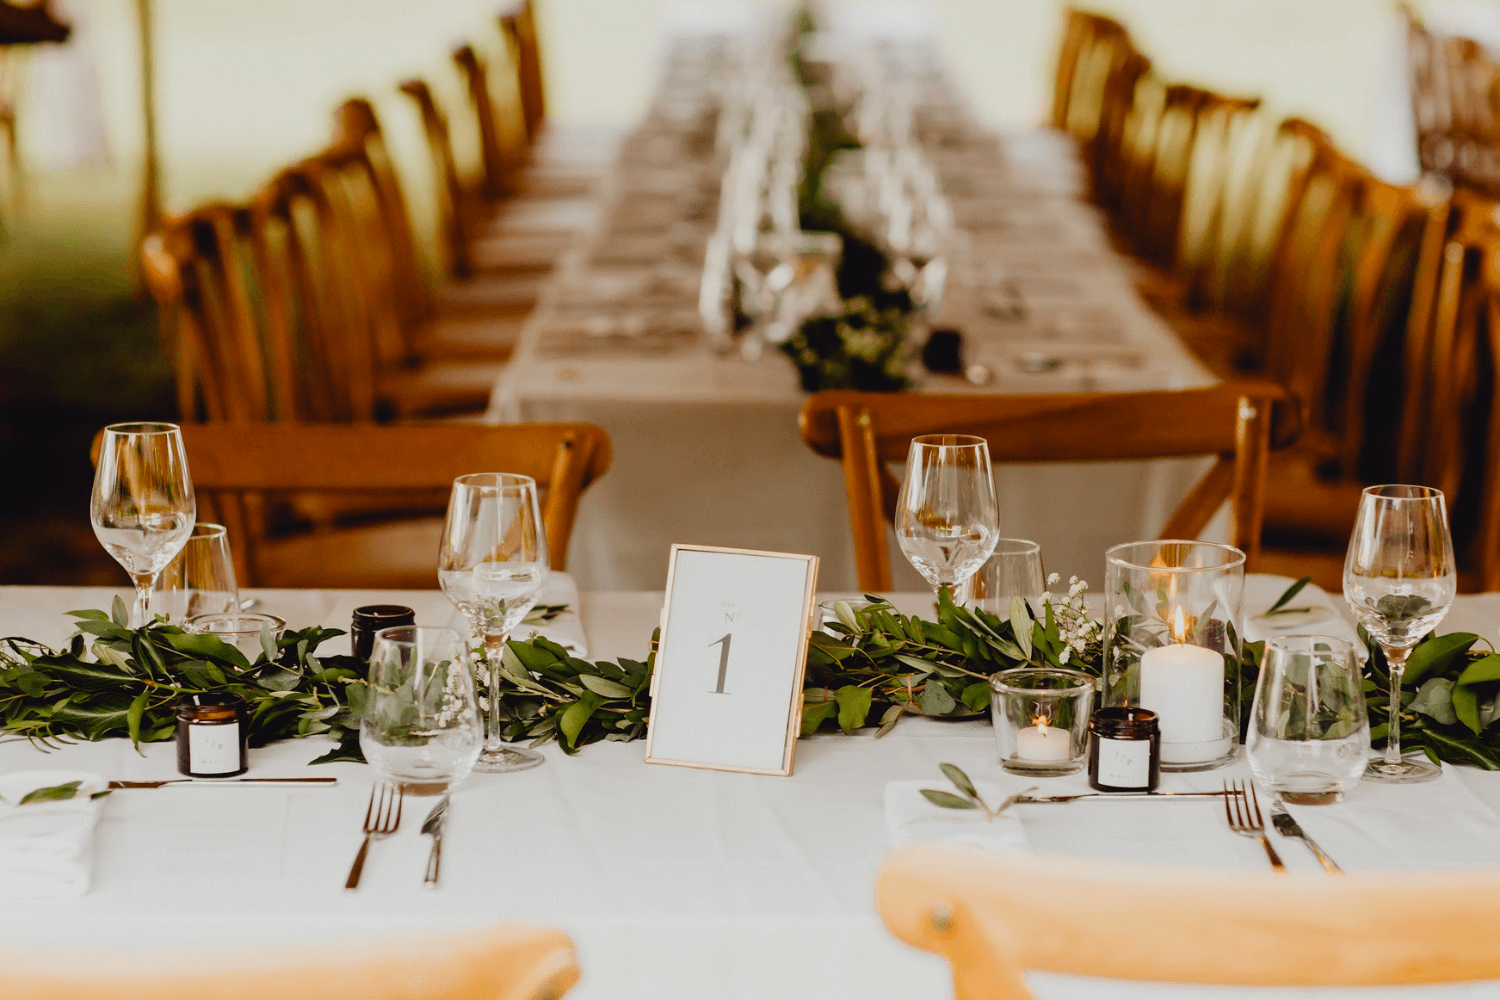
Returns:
(741, 591)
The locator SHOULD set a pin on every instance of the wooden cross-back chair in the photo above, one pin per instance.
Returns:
(864, 431)
(508, 962)
(519, 29)
(1215, 189)
(236, 467)
(1455, 93)
(205, 286)
(994, 916)
(499, 303)
(470, 244)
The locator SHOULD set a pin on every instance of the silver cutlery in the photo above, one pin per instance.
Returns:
(1035, 799)
(433, 827)
(1288, 827)
(212, 782)
(382, 818)
(1242, 810)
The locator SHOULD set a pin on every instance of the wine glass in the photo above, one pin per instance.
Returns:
(143, 506)
(492, 566)
(1399, 579)
(200, 580)
(947, 519)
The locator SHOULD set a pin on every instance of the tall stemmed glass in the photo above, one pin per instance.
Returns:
(947, 518)
(143, 506)
(1399, 579)
(492, 566)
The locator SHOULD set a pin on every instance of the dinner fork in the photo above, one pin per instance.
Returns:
(1242, 810)
(382, 818)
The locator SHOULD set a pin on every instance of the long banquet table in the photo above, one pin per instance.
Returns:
(673, 882)
(706, 446)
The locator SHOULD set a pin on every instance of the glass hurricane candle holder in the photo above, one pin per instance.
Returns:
(1041, 717)
(1173, 644)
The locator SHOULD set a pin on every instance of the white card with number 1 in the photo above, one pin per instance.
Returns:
(727, 691)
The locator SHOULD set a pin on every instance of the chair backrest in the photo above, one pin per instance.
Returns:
(356, 127)
(1233, 421)
(501, 118)
(235, 466)
(993, 916)
(195, 269)
(508, 962)
(520, 31)
(452, 197)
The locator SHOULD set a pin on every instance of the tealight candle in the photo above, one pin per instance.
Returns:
(1184, 685)
(1042, 743)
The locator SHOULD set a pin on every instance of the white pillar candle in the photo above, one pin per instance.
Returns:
(1184, 685)
(1043, 744)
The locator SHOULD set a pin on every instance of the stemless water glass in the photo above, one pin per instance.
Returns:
(947, 518)
(1309, 735)
(1013, 570)
(420, 724)
(492, 566)
(200, 580)
(1399, 578)
(143, 506)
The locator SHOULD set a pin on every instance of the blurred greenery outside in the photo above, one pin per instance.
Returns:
(78, 349)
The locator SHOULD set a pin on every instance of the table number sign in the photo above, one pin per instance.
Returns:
(727, 691)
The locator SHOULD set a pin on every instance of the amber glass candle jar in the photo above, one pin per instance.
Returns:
(1124, 750)
(371, 618)
(212, 733)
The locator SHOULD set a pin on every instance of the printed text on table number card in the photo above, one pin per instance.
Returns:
(723, 645)
(214, 749)
(1124, 763)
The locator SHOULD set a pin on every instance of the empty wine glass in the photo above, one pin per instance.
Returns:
(143, 506)
(1013, 570)
(947, 519)
(420, 724)
(492, 566)
(1399, 578)
(200, 580)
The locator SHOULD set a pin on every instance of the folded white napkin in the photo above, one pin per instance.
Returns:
(566, 629)
(1325, 617)
(45, 846)
(912, 819)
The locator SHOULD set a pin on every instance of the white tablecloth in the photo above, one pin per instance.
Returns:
(706, 447)
(673, 882)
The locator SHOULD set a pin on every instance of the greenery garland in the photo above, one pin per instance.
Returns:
(870, 667)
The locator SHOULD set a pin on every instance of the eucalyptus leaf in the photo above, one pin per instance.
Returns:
(947, 799)
(52, 793)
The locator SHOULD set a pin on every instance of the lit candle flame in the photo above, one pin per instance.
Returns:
(1041, 722)
(1179, 625)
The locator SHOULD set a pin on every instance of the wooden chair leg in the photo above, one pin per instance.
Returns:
(1253, 439)
(862, 483)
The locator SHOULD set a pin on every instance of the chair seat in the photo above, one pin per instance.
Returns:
(1303, 505)
(1325, 564)
(472, 336)
(513, 254)
(439, 388)
(525, 216)
(492, 294)
(392, 555)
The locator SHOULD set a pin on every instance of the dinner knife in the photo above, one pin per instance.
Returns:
(1287, 827)
(433, 827)
(1035, 799)
(223, 781)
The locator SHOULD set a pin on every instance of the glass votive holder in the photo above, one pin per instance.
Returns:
(1172, 615)
(1041, 717)
(240, 629)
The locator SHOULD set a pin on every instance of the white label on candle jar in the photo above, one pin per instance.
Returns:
(214, 749)
(1124, 763)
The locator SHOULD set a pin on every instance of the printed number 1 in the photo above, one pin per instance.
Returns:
(723, 660)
